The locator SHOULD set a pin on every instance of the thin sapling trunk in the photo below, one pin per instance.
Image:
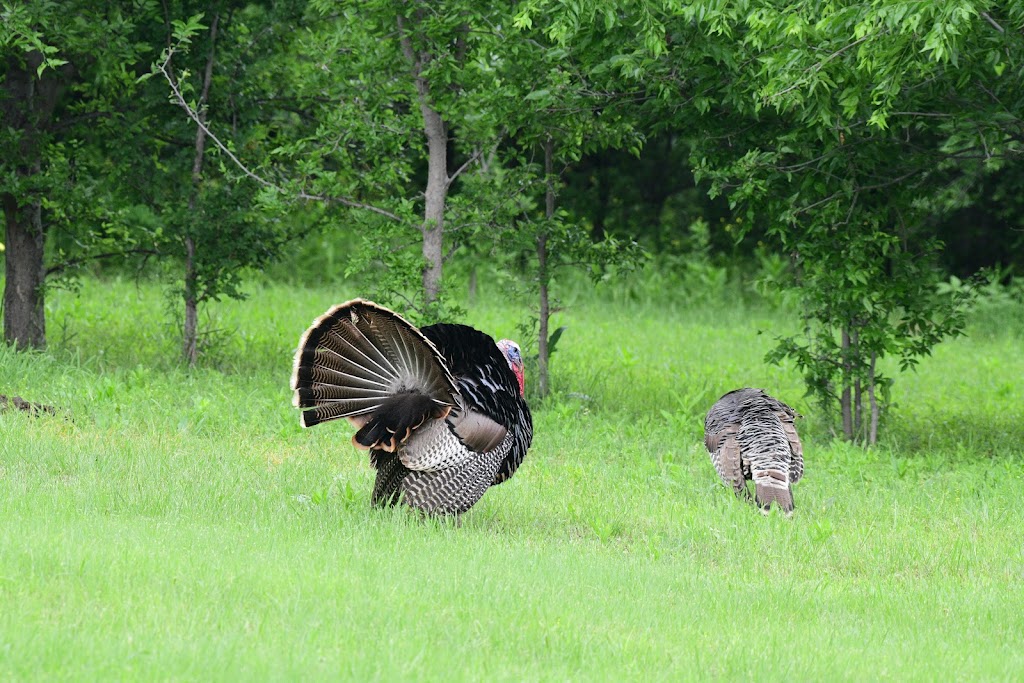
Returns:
(845, 400)
(873, 431)
(858, 406)
(190, 332)
(544, 319)
(436, 193)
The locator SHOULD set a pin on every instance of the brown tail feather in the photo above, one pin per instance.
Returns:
(766, 495)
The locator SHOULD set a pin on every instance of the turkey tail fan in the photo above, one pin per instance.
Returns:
(364, 362)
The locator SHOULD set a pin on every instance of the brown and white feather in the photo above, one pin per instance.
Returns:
(751, 436)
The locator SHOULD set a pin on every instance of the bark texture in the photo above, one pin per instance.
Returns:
(436, 193)
(28, 108)
(24, 314)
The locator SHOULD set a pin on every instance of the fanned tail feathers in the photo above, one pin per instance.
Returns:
(363, 362)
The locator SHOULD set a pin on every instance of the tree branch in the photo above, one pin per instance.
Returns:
(472, 157)
(818, 67)
(992, 21)
(856, 190)
(164, 69)
(937, 115)
(72, 263)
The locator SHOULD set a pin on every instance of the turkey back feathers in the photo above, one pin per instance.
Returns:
(490, 391)
(751, 436)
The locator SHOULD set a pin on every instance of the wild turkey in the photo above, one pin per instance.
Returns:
(440, 408)
(751, 435)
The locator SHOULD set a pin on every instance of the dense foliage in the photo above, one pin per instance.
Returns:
(827, 148)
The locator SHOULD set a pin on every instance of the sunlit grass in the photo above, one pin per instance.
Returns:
(180, 525)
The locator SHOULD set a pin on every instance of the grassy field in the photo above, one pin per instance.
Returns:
(182, 526)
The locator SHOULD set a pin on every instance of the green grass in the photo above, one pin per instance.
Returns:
(182, 526)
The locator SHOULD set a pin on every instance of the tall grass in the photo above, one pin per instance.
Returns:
(180, 525)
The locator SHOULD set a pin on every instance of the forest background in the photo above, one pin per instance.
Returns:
(860, 160)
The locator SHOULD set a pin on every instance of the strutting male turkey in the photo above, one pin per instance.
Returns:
(440, 408)
(751, 435)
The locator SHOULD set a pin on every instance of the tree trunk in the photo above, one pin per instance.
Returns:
(24, 315)
(845, 402)
(28, 106)
(190, 331)
(858, 411)
(543, 353)
(873, 431)
(545, 315)
(436, 192)
(472, 284)
(858, 404)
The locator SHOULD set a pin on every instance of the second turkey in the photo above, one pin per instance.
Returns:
(751, 436)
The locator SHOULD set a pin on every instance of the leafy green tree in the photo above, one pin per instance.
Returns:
(407, 94)
(64, 69)
(875, 119)
(845, 128)
(225, 69)
(379, 145)
(551, 114)
(395, 77)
